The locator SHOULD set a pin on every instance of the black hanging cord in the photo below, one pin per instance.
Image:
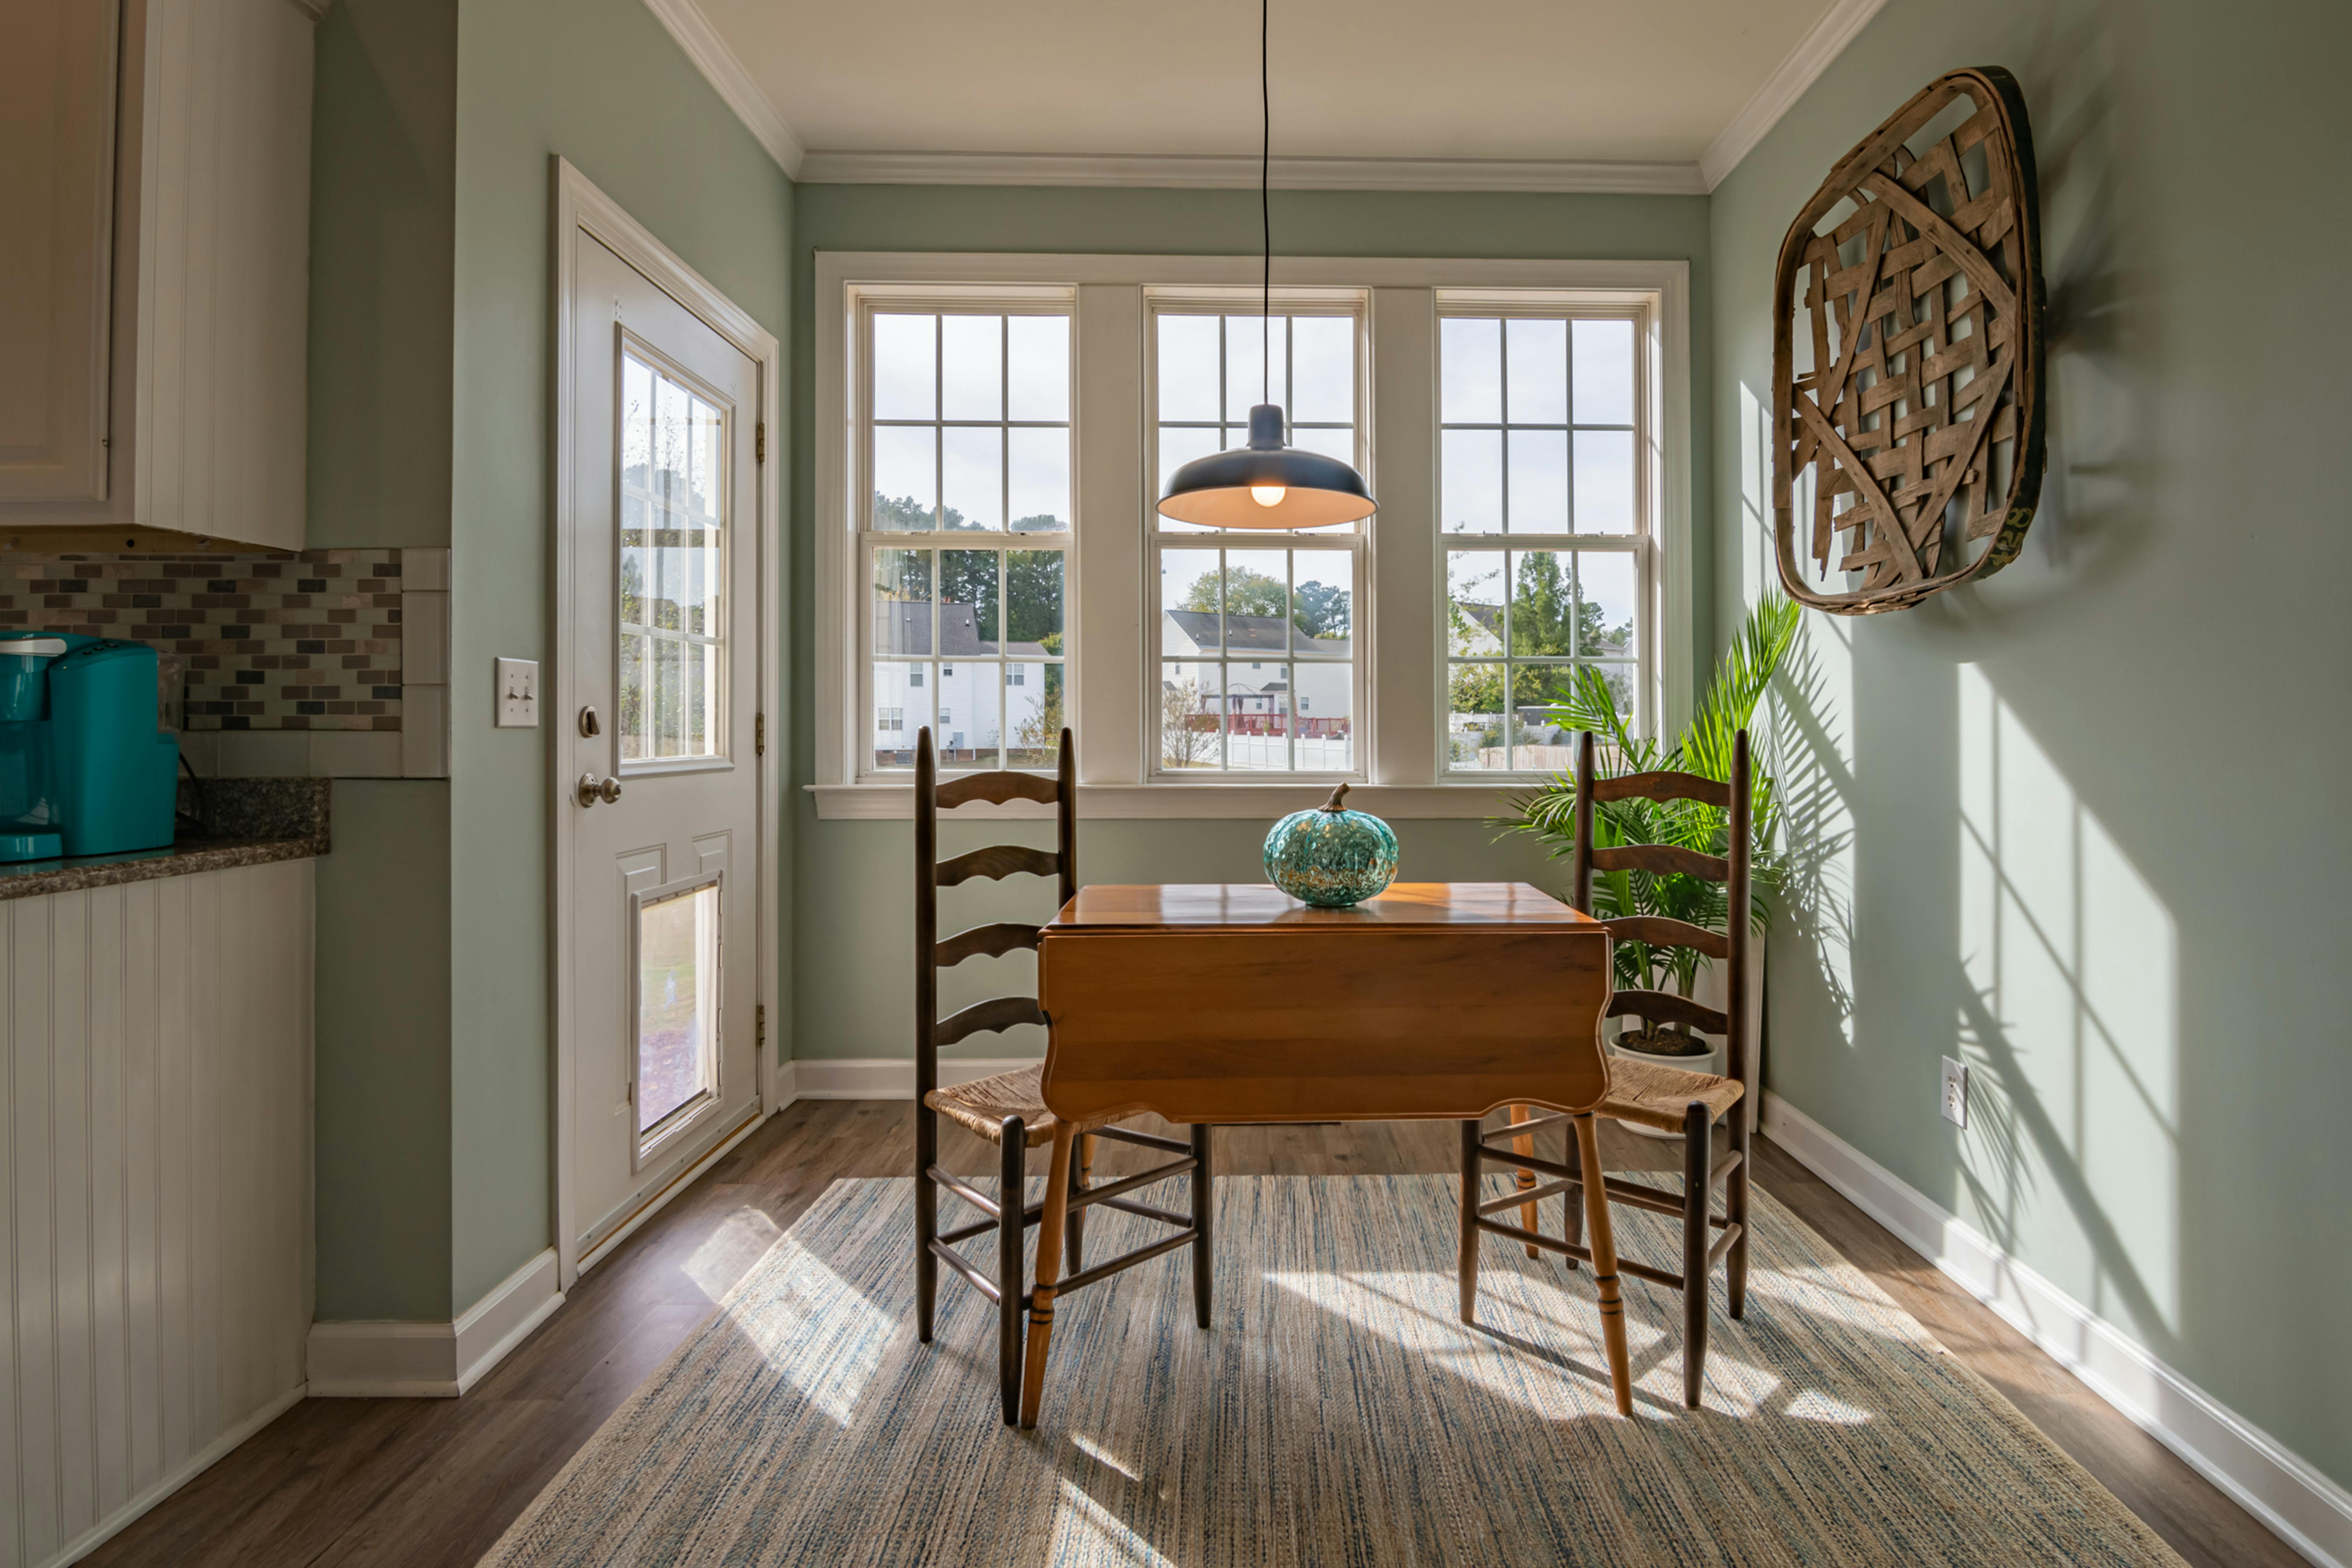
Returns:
(1265, 203)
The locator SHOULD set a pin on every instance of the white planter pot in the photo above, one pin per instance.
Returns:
(1709, 990)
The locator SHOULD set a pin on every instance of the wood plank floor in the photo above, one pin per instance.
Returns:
(415, 1482)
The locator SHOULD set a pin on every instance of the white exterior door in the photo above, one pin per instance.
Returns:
(663, 781)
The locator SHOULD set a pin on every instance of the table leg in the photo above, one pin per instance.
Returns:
(1604, 1265)
(1049, 1270)
(1526, 1144)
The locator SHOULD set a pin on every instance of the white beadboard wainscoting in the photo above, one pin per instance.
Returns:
(155, 1206)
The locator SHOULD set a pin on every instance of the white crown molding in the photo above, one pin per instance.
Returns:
(719, 65)
(1812, 54)
(2303, 1508)
(1205, 172)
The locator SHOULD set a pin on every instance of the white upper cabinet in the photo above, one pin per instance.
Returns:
(155, 303)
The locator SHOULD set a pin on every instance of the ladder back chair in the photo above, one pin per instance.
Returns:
(1008, 1108)
(1671, 1100)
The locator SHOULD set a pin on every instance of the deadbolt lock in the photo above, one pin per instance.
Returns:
(588, 725)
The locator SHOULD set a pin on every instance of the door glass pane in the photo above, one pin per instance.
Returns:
(671, 597)
(677, 1004)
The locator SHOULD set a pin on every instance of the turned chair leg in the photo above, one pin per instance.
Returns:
(1524, 1143)
(1051, 1227)
(1604, 1265)
(926, 1219)
(1082, 1175)
(1010, 1195)
(1204, 1214)
(1571, 1203)
(1471, 1134)
(1735, 1209)
(1699, 1199)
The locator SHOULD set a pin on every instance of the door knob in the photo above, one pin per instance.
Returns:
(592, 789)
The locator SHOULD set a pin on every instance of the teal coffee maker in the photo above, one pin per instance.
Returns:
(85, 766)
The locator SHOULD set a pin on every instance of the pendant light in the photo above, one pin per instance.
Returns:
(1266, 484)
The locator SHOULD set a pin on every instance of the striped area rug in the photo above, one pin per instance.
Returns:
(1337, 1414)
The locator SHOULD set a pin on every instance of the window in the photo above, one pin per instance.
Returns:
(1228, 592)
(966, 446)
(1541, 512)
(993, 432)
(673, 569)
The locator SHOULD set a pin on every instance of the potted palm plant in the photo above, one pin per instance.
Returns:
(1704, 746)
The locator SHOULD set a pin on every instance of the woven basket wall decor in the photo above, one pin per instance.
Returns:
(1913, 436)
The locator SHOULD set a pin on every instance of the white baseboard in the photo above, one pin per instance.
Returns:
(432, 1361)
(885, 1078)
(2305, 1508)
(203, 1459)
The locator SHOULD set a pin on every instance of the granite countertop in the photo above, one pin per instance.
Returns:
(235, 822)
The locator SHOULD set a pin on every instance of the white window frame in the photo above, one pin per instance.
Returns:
(1643, 545)
(918, 298)
(1354, 542)
(1111, 644)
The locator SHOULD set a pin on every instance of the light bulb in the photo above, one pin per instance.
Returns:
(1268, 495)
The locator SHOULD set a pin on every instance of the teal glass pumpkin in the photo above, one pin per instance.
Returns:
(1331, 856)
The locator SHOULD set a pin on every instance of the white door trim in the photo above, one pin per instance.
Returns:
(580, 206)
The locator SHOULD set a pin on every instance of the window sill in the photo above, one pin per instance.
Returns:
(1137, 802)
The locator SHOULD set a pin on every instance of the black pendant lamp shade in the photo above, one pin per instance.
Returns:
(1265, 484)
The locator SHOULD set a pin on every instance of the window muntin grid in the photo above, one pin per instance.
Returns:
(1252, 635)
(670, 618)
(966, 440)
(1544, 520)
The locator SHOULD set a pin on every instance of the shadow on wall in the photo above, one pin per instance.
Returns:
(1951, 891)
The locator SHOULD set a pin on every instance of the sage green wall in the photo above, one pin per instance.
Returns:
(382, 186)
(2082, 827)
(854, 890)
(602, 83)
(383, 1066)
(383, 162)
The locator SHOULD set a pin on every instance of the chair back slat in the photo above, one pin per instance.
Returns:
(1059, 790)
(1664, 786)
(983, 941)
(1658, 932)
(999, 860)
(1664, 859)
(982, 1017)
(997, 788)
(1665, 1006)
(1736, 798)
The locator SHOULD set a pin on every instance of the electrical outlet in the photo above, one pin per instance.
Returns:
(1954, 1100)
(517, 694)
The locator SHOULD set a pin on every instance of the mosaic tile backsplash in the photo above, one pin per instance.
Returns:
(308, 641)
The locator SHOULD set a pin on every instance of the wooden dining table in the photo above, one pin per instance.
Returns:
(1236, 1002)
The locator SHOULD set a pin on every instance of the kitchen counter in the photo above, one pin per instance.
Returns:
(244, 822)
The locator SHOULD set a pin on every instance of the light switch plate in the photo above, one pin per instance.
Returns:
(1953, 1099)
(517, 694)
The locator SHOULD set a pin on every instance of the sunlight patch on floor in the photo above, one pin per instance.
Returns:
(1813, 1405)
(1086, 1532)
(814, 1327)
(731, 1251)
